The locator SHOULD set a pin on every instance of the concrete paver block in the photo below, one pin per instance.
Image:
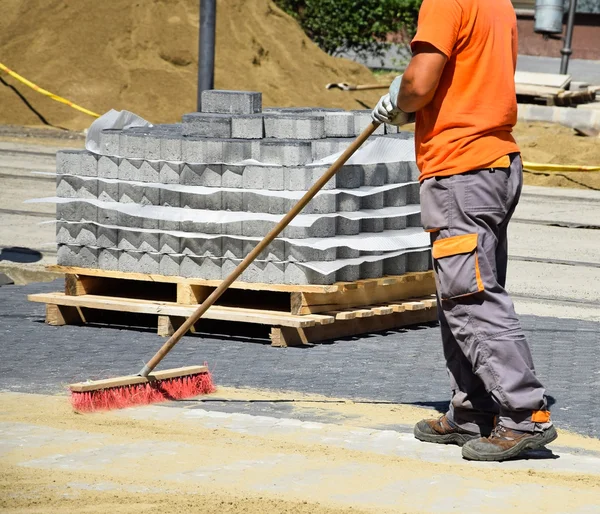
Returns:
(237, 150)
(232, 176)
(347, 203)
(134, 193)
(297, 126)
(322, 148)
(107, 237)
(170, 173)
(200, 267)
(397, 173)
(108, 259)
(205, 124)
(276, 251)
(371, 269)
(372, 225)
(169, 264)
(198, 201)
(419, 261)
(373, 201)
(395, 265)
(362, 119)
(231, 102)
(89, 165)
(68, 186)
(208, 175)
(78, 256)
(201, 150)
(109, 142)
(129, 170)
(350, 176)
(395, 197)
(254, 202)
(285, 151)
(374, 174)
(108, 167)
(76, 211)
(129, 239)
(169, 243)
(254, 177)
(132, 144)
(108, 191)
(83, 234)
(150, 171)
(68, 162)
(211, 247)
(395, 223)
(339, 124)
(297, 274)
(346, 226)
(307, 254)
(171, 147)
(153, 145)
(247, 126)
(139, 262)
(322, 227)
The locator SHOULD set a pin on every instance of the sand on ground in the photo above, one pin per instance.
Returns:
(135, 485)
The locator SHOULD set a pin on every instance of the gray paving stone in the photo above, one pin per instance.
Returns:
(373, 201)
(89, 165)
(139, 262)
(69, 162)
(107, 237)
(68, 186)
(348, 273)
(395, 223)
(307, 254)
(419, 261)
(232, 176)
(200, 247)
(322, 227)
(171, 147)
(372, 225)
(132, 145)
(108, 191)
(350, 176)
(108, 167)
(321, 148)
(339, 124)
(78, 256)
(130, 170)
(238, 150)
(347, 203)
(135, 240)
(395, 265)
(153, 145)
(200, 267)
(76, 211)
(170, 264)
(208, 175)
(109, 142)
(247, 126)
(403, 366)
(285, 151)
(371, 269)
(294, 126)
(200, 201)
(395, 197)
(362, 119)
(170, 173)
(133, 193)
(169, 243)
(201, 150)
(276, 251)
(374, 174)
(397, 172)
(205, 124)
(108, 259)
(297, 274)
(81, 234)
(232, 102)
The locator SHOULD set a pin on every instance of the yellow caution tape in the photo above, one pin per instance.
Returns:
(46, 93)
(533, 166)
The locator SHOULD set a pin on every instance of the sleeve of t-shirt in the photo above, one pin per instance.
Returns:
(439, 25)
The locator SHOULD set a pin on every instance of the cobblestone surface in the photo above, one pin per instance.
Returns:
(404, 366)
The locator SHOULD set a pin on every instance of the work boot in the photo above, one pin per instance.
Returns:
(442, 431)
(505, 443)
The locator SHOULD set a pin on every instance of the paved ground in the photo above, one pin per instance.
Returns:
(404, 366)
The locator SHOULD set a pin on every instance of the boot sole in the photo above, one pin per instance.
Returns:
(457, 439)
(530, 443)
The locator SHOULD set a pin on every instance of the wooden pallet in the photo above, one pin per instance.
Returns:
(554, 96)
(296, 314)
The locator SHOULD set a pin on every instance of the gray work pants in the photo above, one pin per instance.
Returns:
(487, 356)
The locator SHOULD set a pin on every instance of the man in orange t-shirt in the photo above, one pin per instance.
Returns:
(460, 84)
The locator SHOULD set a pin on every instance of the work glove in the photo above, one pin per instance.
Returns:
(387, 112)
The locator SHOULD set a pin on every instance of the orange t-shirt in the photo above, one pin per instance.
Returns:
(468, 123)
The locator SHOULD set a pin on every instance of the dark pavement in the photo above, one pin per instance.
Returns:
(404, 366)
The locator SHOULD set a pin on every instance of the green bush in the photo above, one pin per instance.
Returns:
(342, 25)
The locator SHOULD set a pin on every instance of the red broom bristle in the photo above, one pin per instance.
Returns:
(143, 394)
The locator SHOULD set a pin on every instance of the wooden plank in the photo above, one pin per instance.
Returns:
(76, 285)
(59, 315)
(530, 78)
(282, 336)
(409, 286)
(94, 385)
(149, 277)
(192, 294)
(364, 313)
(262, 317)
(414, 306)
(343, 315)
(383, 310)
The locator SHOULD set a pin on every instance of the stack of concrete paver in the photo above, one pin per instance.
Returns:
(193, 198)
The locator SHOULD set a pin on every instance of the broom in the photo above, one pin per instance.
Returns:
(175, 384)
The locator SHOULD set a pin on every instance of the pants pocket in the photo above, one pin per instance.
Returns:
(456, 265)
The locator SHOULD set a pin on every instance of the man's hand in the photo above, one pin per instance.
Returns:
(386, 110)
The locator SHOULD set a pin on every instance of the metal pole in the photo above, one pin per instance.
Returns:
(206, 47)
(566, 50)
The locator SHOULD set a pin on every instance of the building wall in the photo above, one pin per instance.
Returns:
(586, 31)
(586, 37)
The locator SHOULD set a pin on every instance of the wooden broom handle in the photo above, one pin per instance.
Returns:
(285, 221)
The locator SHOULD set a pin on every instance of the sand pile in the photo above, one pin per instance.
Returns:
(142, 56)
